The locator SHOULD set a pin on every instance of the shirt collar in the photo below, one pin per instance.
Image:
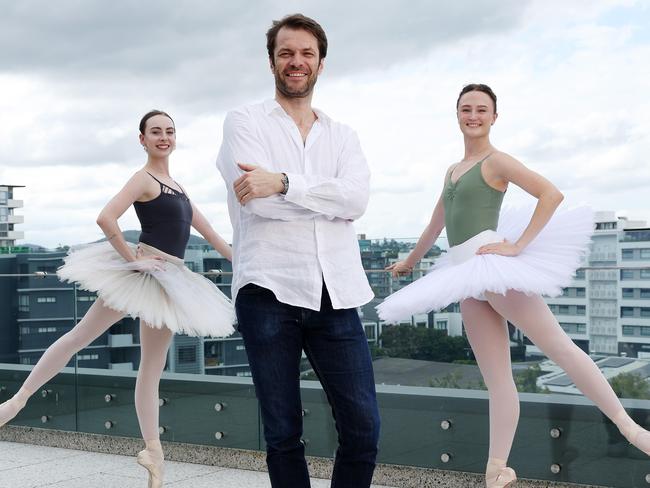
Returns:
(271, 105)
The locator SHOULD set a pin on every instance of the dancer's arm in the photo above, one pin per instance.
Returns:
(508, 169)
(137, 187)
(201, 224)
(343, 196)
(427, 239)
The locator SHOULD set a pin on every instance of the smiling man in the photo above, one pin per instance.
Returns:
(296, 182)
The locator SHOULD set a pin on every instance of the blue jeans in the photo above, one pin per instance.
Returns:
(275, 334)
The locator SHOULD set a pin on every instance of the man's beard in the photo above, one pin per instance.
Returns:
(282, 86)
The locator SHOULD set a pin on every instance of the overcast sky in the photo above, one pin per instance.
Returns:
(76, 76)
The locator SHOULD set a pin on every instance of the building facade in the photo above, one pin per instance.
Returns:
(8, 220)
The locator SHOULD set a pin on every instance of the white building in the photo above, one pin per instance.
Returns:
(8, 220)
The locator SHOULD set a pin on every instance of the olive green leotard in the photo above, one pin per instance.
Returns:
(471, 205)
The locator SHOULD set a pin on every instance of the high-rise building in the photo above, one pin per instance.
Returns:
(8, 235)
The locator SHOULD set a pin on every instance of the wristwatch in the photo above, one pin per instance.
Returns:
(285, 183)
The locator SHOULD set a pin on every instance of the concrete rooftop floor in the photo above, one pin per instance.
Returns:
(29, 466)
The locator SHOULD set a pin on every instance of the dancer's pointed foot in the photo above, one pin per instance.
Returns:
(633, 432)
(498, 475)
(152, 459)
(10, 408)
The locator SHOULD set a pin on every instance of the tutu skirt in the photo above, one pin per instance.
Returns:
(170, 296)
(544, 267)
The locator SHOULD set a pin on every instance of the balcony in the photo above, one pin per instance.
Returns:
(12, 203)
(12, 234)
(430, 435)
(15, 219)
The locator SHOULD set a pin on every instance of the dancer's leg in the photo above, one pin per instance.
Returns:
(154, 344)
(96, 321)
(534, 318)
(487, 333)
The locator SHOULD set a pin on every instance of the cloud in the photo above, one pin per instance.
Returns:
(569, 75)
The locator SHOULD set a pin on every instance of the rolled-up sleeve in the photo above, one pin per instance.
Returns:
(241, 144)
(344, 196)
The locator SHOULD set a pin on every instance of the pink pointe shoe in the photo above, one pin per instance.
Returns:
(498, 475)
(152, 461)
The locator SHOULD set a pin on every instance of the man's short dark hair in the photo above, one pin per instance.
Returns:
(296, 22)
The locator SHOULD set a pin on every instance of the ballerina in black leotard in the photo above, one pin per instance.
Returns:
(149, 281)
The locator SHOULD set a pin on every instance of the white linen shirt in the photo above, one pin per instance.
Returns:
(291, 243)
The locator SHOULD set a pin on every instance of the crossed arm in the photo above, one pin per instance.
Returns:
(243, 160)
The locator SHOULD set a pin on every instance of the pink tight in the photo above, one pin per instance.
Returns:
(154, 345)
(485, 323)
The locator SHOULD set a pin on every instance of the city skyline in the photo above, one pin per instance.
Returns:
(571, 94)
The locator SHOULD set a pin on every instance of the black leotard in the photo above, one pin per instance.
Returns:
(165, 220)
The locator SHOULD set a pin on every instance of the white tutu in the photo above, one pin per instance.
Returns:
(544, 267)
(172, 296)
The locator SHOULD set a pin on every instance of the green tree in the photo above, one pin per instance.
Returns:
(405, 341)
(630, 385)
(526, 380)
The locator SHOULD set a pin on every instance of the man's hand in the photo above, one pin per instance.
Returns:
(256, 183)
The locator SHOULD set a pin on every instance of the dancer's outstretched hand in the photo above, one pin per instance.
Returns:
(399, 268)
(147, 263)
(504, 248)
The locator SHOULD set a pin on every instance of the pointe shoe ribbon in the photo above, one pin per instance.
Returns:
(504, 478)
(152, 462)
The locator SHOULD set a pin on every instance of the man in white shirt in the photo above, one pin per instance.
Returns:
(296, 181)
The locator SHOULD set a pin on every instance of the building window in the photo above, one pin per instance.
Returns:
(645, 331)
(628, 292)
(628, 330)
(644, 253)
(86, 298)
(46, 330)
(23, 303)
(186, 355)
(645, 274)
(627, 311)
(627, 254)
(240, 347)
(441, 324)
(45, 299)
(245, 374)
(87, 357)
(627, 274)
(581, 310)
(580, 292)
(645, 293)
(645, 312)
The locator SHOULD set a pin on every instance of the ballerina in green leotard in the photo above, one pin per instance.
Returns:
(497, 268)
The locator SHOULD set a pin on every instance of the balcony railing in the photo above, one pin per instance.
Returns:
(434, 413)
